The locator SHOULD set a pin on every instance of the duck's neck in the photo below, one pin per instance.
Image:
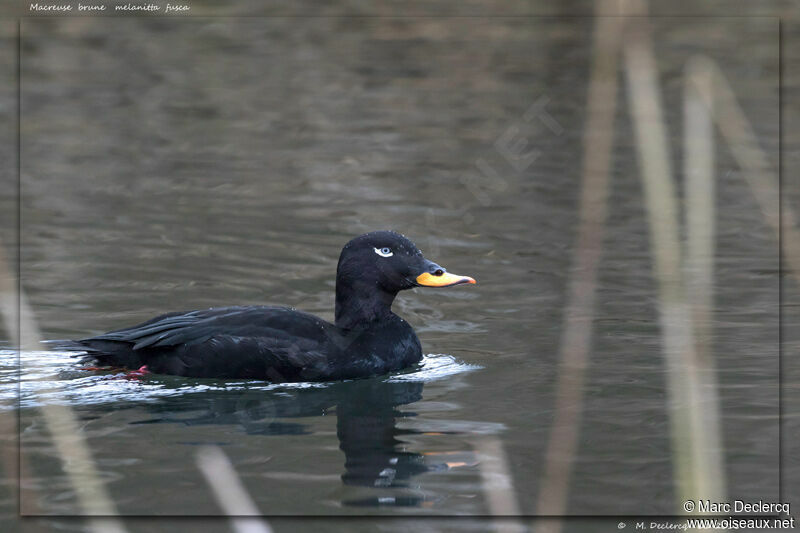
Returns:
(358, 304)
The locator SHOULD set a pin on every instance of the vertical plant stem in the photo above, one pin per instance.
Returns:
(497, 483)
(759, 174)
(229, 491)
(699, 154)
(577, 331)
(60, 420)
(684, 384)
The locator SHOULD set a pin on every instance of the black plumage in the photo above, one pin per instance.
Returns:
(281, 344)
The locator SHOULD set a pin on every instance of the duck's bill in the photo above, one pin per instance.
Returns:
(444, 280)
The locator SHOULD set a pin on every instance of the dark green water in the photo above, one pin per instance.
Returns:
(180, 164)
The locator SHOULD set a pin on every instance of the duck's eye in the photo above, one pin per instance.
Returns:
(384, 252)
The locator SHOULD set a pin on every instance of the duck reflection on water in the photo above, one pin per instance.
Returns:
(366, 410)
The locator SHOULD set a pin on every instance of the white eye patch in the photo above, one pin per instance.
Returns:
(384, 252)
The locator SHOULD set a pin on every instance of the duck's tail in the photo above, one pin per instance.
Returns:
(65, 345)
(103, 352)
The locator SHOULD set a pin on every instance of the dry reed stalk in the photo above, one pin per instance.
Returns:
(699, 151)
(759, 174)
(64, 429)
(577, 331)
(498, 484)
(688, 391)
(229, 491)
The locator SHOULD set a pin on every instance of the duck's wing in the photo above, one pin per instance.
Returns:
(195, 327)
(275, 343)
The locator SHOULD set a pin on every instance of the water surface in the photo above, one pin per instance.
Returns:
(182, 164)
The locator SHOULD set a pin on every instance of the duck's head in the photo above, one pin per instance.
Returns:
(375, 266)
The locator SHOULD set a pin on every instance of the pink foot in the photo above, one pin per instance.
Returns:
(143, 371)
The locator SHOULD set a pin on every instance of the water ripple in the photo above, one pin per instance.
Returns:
(59, 377)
